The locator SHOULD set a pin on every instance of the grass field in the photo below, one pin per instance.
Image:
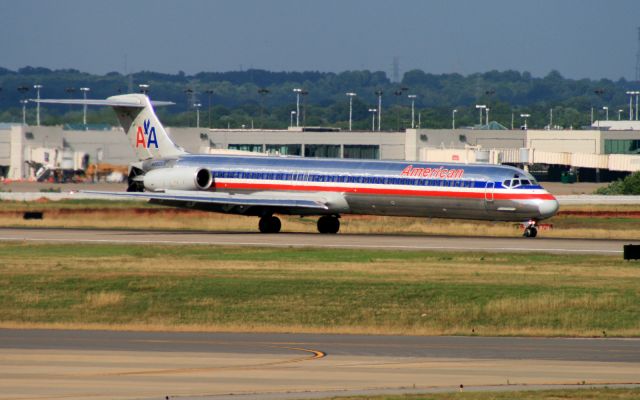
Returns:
(577, 394)
(317, 290)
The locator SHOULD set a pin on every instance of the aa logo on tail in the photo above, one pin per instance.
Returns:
(149, 133)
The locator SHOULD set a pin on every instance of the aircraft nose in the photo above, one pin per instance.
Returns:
(548, 208)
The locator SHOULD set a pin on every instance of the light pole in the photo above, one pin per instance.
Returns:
(379, 93)
(630, 93)
(480, 107)
(144, 88)
(606, 111)
(487, 117)
(190, 100)
(413, 99)
(24, 111)
(453, 119)
(373, 118)
(525, 116)
(619, 113)
(209, 92)
(37, 88)
(351, 95)
(637, 93)
(291, 118)
(550, 118)
(84, 91)
(297, 91)
(197, 106)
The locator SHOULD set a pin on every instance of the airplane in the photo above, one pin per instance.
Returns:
(265, 186)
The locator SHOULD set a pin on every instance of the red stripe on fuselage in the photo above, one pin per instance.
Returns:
(497, 195)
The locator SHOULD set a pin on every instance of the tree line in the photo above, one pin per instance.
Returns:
(266, 99)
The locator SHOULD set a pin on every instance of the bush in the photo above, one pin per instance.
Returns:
(630, 185)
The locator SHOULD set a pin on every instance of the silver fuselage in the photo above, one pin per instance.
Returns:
(398, 188)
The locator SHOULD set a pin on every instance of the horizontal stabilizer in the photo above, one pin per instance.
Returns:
(110, 103)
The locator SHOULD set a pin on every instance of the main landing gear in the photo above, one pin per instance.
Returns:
(269, 224)
(531, 230)
(328, 224)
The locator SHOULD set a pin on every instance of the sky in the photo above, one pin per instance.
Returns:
(579, 38)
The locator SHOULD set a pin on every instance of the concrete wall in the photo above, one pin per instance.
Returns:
(585, 142)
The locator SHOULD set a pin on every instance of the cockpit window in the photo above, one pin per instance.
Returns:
(506, 183)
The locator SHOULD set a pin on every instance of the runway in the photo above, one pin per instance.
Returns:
(352, 241)
(122, 365)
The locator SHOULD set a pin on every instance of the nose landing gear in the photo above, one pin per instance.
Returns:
(531, 230)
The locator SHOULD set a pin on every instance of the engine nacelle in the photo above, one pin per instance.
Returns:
(178, 178)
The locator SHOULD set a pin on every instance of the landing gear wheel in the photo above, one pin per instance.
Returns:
(269, 224)
(530, 231)
(328, 224)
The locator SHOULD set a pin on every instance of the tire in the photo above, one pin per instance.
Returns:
(534, 232)
(269, 224)
(328, 224)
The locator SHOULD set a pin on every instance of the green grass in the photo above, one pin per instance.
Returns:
(317, 290)
(570, 394)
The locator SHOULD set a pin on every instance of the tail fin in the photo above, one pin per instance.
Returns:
(147, 136)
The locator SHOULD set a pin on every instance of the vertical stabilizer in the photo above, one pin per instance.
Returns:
(147, 136)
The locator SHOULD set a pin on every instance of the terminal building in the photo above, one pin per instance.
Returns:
(610, 149)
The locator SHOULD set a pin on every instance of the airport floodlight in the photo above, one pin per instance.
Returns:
(197, 107)
(379, 93)
(480, 107)
(630, 93)
(351, 95)
(293, 112)
(413, 100)
(453, 119)
(144, 88)
(297, 91)
(606, 110)
(373, 118)
(84, 91)
(37, 87)
(24, 111)
(525, 116)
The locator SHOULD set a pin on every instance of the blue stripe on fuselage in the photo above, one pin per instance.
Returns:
(347, 170)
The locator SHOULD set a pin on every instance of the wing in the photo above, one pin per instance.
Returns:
(279, 200)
